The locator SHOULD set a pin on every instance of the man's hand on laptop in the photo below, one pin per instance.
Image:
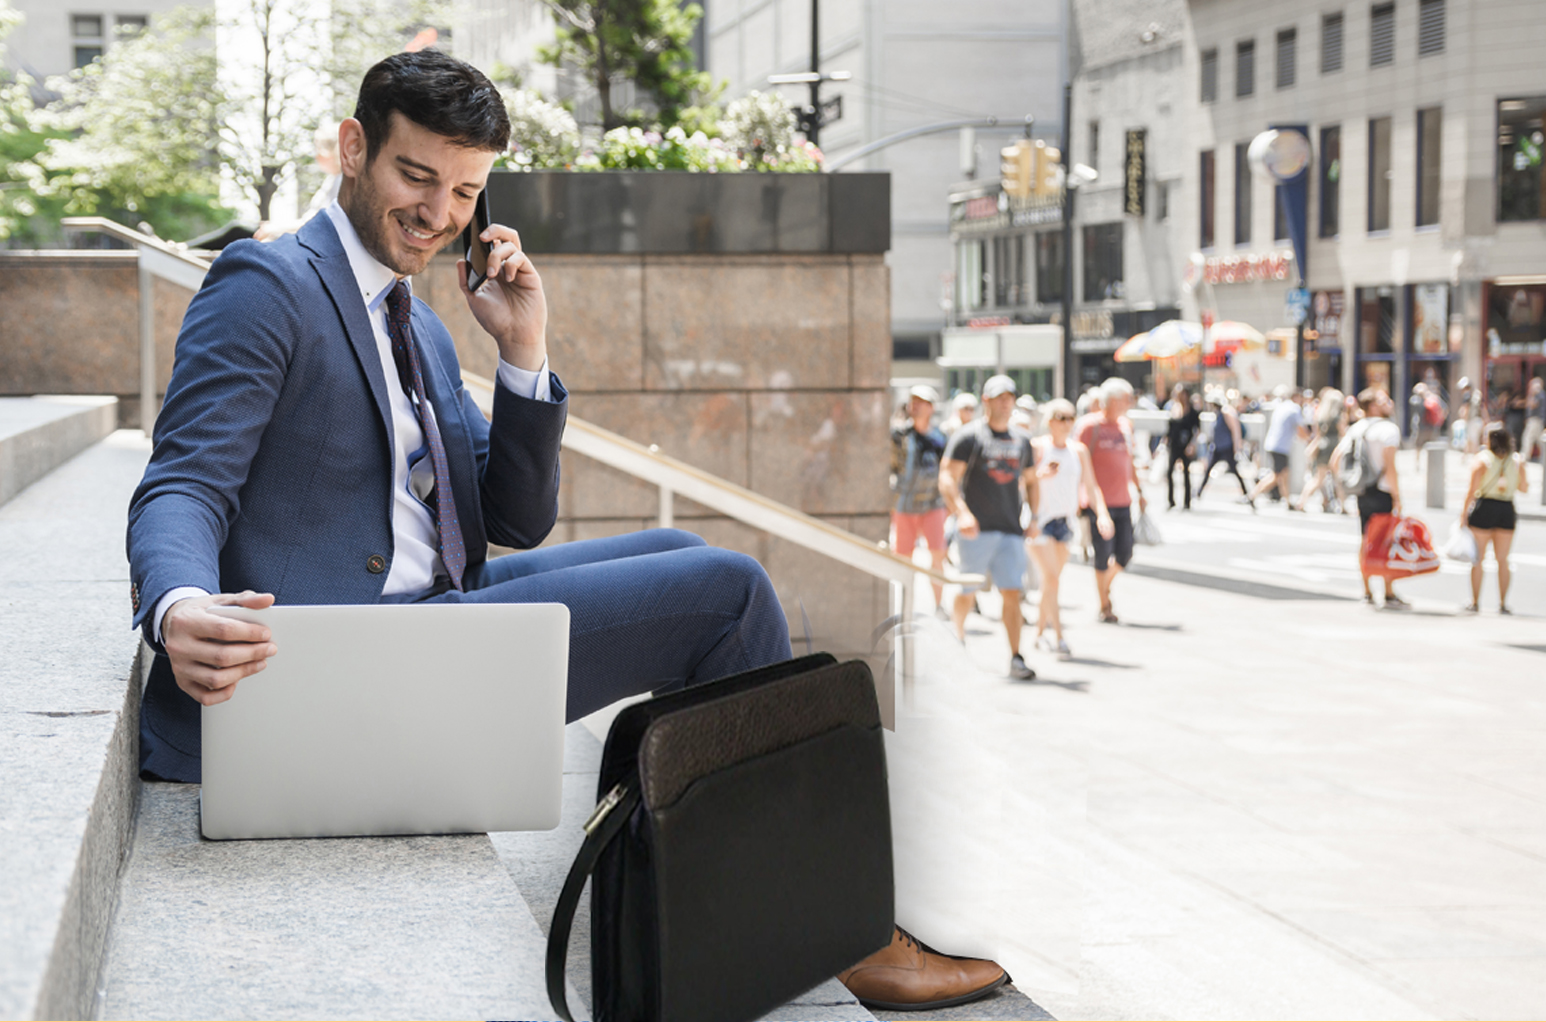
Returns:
(209, 653)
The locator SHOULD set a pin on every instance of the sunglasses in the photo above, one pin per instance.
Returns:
(1062, 418)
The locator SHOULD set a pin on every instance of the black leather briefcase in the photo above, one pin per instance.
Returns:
(741, 848)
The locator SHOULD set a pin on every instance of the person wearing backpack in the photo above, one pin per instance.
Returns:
(1365, 462)
(1497, 473)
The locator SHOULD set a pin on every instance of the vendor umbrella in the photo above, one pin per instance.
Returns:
(1229, 335)
(1167, 340)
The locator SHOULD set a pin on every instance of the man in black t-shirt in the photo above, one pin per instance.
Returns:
(987, 477)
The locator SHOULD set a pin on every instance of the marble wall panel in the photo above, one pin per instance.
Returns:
(871, 305)
(752, 323)
(706, 430)
(824, 452)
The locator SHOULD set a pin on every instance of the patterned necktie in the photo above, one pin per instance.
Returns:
(452, 551)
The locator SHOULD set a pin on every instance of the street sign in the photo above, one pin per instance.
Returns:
(1296, 305)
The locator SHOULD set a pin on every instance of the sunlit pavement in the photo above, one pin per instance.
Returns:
(1255, 797)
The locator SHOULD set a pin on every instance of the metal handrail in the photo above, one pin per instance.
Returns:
(156, 258)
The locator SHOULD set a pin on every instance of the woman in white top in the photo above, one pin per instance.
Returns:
(1063, 469)
(1497, 473)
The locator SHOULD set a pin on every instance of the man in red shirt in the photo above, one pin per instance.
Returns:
(1109, 438)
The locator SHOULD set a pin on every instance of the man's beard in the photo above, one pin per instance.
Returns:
(371, 222)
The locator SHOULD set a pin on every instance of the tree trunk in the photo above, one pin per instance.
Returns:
(266, 189)
(609, 120)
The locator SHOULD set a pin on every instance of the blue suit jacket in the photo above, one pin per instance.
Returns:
(272, 467)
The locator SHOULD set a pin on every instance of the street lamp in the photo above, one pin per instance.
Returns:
(1283, 154)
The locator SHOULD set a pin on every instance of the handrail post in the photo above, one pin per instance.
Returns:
(902, 594)
(148, 408)
(667, 507)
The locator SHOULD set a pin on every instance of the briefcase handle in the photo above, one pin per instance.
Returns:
(608, 819)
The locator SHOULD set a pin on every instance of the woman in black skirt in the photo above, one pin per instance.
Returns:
(1497, 473)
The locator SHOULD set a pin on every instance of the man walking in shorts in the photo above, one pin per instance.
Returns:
(919, 510)
(1287, 423)
(987, 478)
(1111, 456)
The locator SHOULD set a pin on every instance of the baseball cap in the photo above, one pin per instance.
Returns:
(925, 392)
(997, 385)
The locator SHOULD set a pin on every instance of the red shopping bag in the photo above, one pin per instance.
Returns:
(1397, 547)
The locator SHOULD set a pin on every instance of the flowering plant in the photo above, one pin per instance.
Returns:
(542, 134)
(761, 127)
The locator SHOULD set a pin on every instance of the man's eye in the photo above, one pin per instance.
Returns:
(414, 178)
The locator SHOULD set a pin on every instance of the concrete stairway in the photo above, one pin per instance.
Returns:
(112, 905)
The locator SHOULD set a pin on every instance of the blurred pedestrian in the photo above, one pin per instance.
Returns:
(1062, 469)
(919, 511)
(988, 476)
(1226, 441)
(1025, 418)
(1535, 418)
(1109, 439)
(1330, 420)
(1379, 438)
(963, 409)
(1287, 423)
(1497, 473)
(1472, 409)
(1181, 443)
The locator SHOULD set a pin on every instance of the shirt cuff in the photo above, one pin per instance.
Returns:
(180, 593)
(524, 382)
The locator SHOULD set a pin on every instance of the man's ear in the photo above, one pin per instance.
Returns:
(353, 150)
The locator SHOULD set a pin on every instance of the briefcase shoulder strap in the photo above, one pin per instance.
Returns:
(611, 815)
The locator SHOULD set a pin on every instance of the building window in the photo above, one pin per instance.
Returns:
(1207, 199)
(1095, 145)
(1331, 181)
(1287, 44)
(130, 24)
(1009, 270)
(969, 276)
(1049, 266)
(1379, 173)
(87, 38)
(1521, 170)
(1382, 35)
(1430, 135)
(1331, 43)
(1162, 201)
(1242, 195)
(1430, 27)
(1245, 68)
(1210, 75)
(1102, 262)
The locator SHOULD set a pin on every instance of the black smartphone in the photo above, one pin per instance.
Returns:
(477, 249)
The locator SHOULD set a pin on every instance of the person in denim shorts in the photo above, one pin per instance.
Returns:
(987, 477)
(1063, 469)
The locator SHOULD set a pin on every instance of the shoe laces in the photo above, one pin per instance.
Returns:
(909, 940)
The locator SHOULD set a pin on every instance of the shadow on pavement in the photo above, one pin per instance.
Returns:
(1072, 686)
(1261, 590)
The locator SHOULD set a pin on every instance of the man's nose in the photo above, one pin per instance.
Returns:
(435, 210)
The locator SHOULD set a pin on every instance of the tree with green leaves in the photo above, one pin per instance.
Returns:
(647, 42)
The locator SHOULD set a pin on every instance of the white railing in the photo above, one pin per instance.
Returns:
(157, 258)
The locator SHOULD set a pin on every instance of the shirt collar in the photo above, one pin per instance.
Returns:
(374, 279)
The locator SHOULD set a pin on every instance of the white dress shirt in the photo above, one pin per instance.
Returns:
(416, 563)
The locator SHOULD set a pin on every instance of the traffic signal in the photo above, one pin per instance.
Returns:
(1049, 177)
(1017, 169)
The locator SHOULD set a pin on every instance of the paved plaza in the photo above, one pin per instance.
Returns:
(1255, 797)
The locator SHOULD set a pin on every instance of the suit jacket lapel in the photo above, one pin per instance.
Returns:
(332, 266)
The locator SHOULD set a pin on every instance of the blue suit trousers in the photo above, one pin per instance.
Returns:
(648, 611)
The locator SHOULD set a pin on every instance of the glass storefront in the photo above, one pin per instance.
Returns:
(1514, 325)
(1406, 336)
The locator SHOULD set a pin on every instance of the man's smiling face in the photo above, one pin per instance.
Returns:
(414, 197)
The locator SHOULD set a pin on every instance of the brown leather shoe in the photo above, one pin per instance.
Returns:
(903, 976)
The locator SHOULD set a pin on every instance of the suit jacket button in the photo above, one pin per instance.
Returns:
(375, 564)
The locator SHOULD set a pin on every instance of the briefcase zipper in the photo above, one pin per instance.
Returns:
(608, 802)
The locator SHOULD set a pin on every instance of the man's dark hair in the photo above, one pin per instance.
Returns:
(435, 91)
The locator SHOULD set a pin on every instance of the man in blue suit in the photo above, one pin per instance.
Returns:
(316, 444)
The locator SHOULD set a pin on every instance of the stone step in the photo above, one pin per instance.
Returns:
(68, 714)
(38, 434)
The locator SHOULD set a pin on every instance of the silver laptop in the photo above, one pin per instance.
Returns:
(392, 719)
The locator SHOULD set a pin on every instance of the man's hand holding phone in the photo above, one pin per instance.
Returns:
(504, 292)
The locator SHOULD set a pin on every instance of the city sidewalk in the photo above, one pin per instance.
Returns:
(1241, 802)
